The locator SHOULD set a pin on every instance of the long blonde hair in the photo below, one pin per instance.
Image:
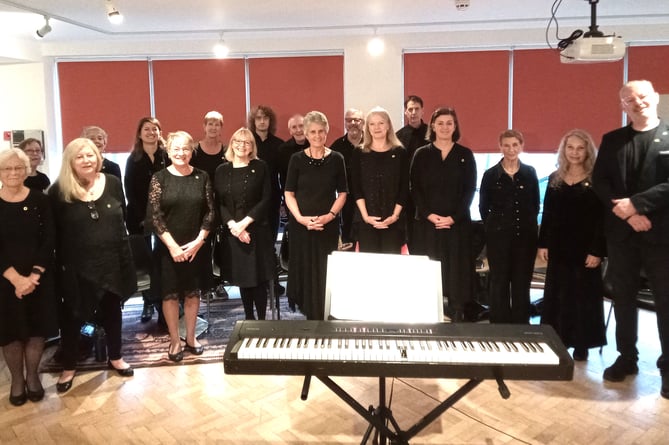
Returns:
(71, 187)
(563, 164)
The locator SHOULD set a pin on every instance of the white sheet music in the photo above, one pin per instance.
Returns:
(383, 287)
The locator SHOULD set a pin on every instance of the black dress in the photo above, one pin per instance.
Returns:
(446, 187)
(27, 239)
(38, 182)
(316, 184)
(182, 206)
(381, 179)
(242, 192)
(572, 229)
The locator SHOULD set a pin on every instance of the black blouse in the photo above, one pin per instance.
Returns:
(244, 191)
(509, 203)
(138, 174)
(381, 179)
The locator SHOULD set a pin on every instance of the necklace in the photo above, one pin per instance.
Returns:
(314, 161)
(511, 171)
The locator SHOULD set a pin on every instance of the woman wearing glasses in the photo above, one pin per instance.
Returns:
(27, 300)
(96, 273)
(243, 193)
(35, 179)
(181, 211)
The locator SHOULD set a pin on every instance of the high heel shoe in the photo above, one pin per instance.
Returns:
(64, 386)
(195, 350)
(176, 357)
(35, 396)
(18, 400)
(123, 372)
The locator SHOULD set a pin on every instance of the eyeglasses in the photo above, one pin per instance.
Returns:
(18, 169)
(353, 120)
(94, 211)
(244, 143)
(182, 150)
(33, 152)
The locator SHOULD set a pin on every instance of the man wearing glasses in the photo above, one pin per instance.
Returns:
(631, 177)
(354, 123)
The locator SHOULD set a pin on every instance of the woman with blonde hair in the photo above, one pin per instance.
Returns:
(181, 211)
(380, 183)
(571, 240)
(243, 192)
(95, 268)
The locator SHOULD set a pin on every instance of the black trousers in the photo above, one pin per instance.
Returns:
(511, 257)
(254, 296)
(108, 315)
(626, 259)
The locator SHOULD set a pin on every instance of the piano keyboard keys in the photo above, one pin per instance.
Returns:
(447, 351)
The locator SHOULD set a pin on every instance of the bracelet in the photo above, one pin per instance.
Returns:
(332, 213)
(36, 271)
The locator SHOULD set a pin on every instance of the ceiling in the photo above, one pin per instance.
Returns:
(77, 20)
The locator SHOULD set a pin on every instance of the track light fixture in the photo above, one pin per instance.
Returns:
(221, 50)
(113, 14)
(44, 30)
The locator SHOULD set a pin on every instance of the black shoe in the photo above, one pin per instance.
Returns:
(176, 357)
(35, 396)
(580, 354)
(147, 312)
(125, 372)
(18, 400)
(620, 369)
(195, 350)
(664, 392)
(65, 386)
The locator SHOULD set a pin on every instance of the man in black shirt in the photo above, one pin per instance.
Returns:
(354, 122)
(297, 142)
(412, 136)
(631, 177)
(262, 122)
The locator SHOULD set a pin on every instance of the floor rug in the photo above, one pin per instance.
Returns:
(146, 344)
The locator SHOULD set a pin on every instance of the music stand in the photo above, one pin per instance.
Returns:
(386, 288)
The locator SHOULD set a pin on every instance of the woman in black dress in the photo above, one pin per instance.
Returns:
(443, 181)
(27, 301)
(571, 240)
(148, 156)
(35, 179)
(509, 205)
(315, 194)
(380, 180)
(243, 192)
(181, 211)
(95, 268)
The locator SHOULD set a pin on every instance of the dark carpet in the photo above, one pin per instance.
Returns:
(146, 344)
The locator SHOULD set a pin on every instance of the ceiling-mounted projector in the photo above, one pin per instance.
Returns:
(593, 50)
(592, 46)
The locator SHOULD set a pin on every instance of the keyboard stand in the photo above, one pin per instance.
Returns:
(379, 417)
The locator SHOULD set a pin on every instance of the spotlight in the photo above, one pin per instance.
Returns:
(44, 30)
(461, 5)
(221, 50)
(113, 14)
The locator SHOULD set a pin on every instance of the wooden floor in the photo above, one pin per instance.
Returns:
(200, 404)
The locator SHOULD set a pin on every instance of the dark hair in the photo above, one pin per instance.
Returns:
(24, 143)
(267, 111)
(138, 146)
(412, 98)
(441, 111)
